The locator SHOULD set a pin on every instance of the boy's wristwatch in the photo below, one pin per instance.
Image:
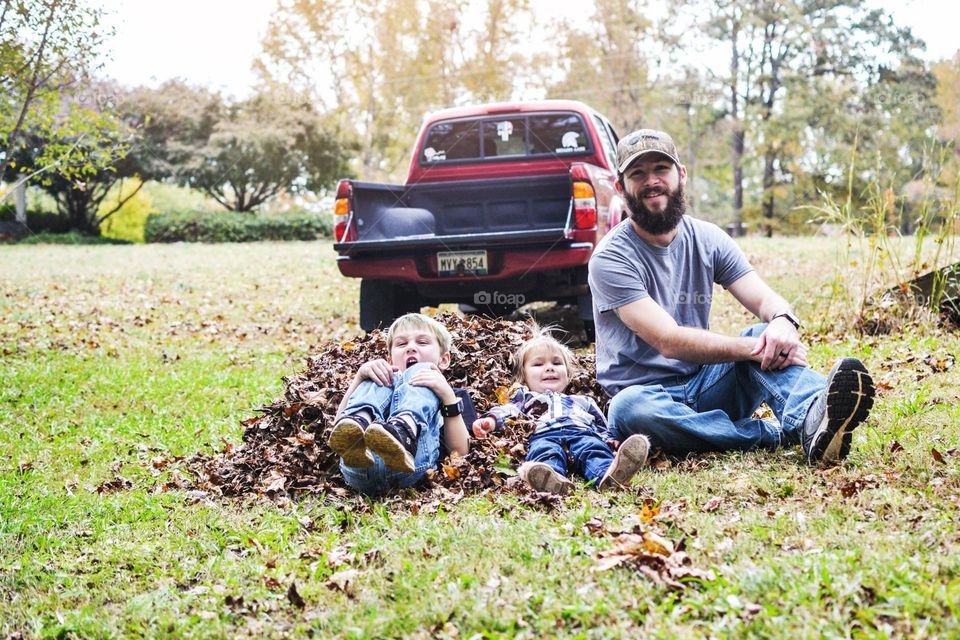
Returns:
(792, 319)
(451, 410)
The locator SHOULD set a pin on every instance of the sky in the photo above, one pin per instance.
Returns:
(214, 42)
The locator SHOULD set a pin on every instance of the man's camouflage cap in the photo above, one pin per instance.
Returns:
(644, 141)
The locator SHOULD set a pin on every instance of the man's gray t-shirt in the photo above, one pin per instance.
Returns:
(680, 277)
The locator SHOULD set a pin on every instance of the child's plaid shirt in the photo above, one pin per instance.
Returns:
(552, 410)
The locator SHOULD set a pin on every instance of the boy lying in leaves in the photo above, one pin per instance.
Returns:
(398, 413)
(564, 423)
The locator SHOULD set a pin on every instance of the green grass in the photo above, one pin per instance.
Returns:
(117, 360)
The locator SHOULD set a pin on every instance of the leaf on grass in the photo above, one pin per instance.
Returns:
(343, 580)
(595, 526)
(936, 455)
(713, 504)
(294, 596)
(649, 510)
(896, 447)
(655, 543)
(662, 464)
(118, 483)
(939, 363)
(340, 556)
(271, 583)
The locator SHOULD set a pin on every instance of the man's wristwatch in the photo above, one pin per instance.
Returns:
(789, 316)
(451, 410)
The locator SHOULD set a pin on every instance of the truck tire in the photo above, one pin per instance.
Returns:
(382, 302)
(590, 330)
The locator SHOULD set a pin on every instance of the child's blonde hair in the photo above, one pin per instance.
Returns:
(542, 337)
(420, 321)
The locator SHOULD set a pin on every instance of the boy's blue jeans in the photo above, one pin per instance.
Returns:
(383, 402)
(591, 455)
(710, 410)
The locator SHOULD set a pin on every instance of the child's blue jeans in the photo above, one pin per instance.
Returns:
(382, 402)
(591, 455)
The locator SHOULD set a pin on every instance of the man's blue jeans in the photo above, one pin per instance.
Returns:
(383, 402)
(710, 410)
(591, 455)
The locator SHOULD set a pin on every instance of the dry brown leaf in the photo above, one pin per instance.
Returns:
(343, 580)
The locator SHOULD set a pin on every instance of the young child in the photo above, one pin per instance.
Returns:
(564, 423)
(397, 412)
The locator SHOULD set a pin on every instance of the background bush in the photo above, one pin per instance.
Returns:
(127, 222)
(236, 227)
(71, 237)
(38, 221)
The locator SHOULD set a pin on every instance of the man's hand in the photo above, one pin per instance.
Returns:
(432, 378)
(779, 346)
(483, 426)
(379, 370)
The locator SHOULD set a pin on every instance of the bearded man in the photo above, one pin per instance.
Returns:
(672, 379)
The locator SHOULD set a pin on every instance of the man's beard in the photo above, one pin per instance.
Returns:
(657, 223)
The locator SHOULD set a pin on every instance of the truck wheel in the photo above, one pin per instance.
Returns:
(590, 330)
(382, 302)
(376, 304)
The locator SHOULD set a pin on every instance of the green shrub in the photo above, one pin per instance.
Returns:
(127, 223)
(71, 237)
(38, 221)
(235, 227)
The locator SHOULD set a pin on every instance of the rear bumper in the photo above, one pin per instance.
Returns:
(511, 266)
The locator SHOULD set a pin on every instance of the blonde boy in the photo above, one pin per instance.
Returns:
(398, 410)
(563, 423)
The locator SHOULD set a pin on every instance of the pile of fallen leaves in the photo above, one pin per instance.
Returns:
(640, 544)
(284, 451)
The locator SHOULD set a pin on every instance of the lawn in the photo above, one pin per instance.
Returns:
(115, 360)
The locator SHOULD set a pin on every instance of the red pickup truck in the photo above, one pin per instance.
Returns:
(502, 206)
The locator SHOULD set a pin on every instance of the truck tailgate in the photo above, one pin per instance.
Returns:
(463, 214)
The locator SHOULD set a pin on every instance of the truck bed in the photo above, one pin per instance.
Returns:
(473, 213)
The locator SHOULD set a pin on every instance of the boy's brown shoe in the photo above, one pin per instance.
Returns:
(630, 458)
(346, 440)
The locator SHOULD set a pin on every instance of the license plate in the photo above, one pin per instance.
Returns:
(462, 263)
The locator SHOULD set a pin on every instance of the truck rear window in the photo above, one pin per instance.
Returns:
(505, 137)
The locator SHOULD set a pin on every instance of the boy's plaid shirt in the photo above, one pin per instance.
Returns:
(552, 410)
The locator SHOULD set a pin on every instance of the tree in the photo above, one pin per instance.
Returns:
(801, 53)
(376, 67)
(947, 73)
(46, 46)
(261, 147)
(612, 47)
(239, 153)
(80, 160)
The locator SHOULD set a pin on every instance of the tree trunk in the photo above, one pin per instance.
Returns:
(691, 165)
(76, 205)
(768, 184)
(20, 192)
(737, 141)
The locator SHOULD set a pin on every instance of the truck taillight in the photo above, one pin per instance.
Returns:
(584, 206)
(343, 228)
